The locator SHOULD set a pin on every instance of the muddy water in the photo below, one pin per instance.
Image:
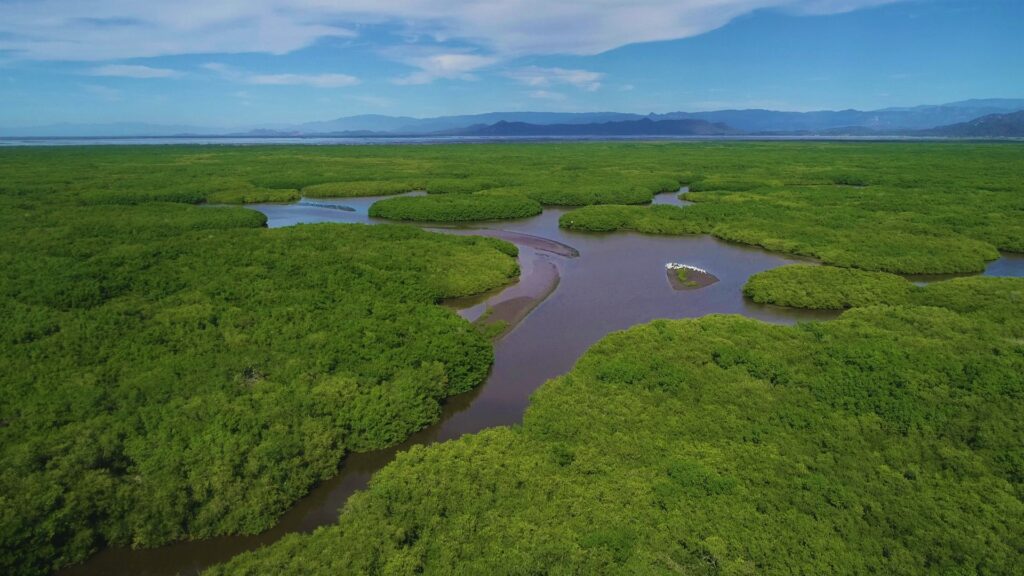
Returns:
(616, 281)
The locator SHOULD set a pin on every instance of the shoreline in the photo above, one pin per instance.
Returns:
(503, 308)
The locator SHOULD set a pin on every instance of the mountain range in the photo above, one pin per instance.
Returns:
(991, 126)
(969, 118)
(641, 127)
(915, 118)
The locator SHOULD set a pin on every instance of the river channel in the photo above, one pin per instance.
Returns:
(574, 289)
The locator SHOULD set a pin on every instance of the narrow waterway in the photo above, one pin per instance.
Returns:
(575, 289)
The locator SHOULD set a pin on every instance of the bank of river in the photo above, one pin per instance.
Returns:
(575, 288)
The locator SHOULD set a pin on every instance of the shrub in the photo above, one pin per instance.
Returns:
(724, 445)
(455, 208)
(826, 287)
(357, 188)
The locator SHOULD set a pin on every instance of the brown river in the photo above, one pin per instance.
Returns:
(574, 289)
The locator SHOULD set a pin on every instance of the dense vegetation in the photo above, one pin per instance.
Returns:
(174, 371)
(905, 208)
(251, 195)
(887, 441)
(894, 208)
(826, 287)
(822, 287)
(455, 207)
(573, 175)
(356, 188)
(170, 371)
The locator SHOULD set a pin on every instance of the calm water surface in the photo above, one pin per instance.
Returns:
(421, 140)
(618, 280)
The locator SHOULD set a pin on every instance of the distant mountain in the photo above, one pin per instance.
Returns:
(981, 103)
(361, 123)
(913, 118)
(823, 122)
(990, 126)
(887, 119)
(408, 125)
(642, 127)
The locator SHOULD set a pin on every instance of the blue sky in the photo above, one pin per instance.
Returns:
(263, 62)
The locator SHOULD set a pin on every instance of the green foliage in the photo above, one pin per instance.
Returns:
(684, 277)
(887, 442)
(252, 196)
(657, 219)
(462, 185)
(173, 371)
(826, 287)
(493, 329)
(455, 207)
(578, 193)
(894, 208)
(170, 371)
(571, 175)
(908, 208)
(356, 188)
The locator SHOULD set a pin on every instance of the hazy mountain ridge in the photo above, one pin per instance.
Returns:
(908, 121)
(641, 127)
(915, 118)
(991, 126)
(409, 125)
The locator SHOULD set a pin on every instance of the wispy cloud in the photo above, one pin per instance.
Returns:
(314, 80)
(114, 29)
(448, 66)
(835, 6)
(330, 80)
(537, 76)
(222, 69)
(546, 95)
(133, 71)
(98, 30)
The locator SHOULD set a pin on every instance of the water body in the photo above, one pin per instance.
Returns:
(386, 140)
(1010, 265)
(607, 282)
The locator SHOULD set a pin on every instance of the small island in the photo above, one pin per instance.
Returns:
(686, 277)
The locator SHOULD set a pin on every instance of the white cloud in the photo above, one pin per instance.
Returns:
(219, 68)
(132, 71)
(835, 6)
(546, 95)
(449, 66)
(118, 29)
(312, 80)
(537, 76)
(97, 30)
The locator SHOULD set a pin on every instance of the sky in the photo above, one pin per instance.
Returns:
(235, 63)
